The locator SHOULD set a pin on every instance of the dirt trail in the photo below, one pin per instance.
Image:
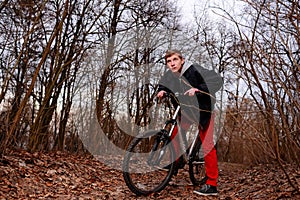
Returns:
(63, 176)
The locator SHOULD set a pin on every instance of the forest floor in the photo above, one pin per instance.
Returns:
(64, 176)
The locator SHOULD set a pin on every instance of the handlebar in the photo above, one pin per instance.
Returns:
(177, 94)
(174, 97)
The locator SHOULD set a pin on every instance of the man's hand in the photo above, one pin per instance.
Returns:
(191, 92)
(160, 94)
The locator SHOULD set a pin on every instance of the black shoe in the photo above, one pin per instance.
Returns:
(207, 190)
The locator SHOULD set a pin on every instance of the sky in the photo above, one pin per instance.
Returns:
(189, 6)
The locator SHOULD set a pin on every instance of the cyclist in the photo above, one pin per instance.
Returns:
(190, 82)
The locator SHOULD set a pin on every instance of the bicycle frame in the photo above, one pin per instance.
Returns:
(174, 123)
(159, 163)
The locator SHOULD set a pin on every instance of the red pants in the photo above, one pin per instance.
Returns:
(208, 148)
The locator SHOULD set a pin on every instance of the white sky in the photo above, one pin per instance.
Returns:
(188, 6)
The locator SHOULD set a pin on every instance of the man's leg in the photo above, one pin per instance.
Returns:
(210, 153)
(211, 160)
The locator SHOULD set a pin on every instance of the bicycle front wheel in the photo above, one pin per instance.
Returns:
(197, 166)
(147, 165)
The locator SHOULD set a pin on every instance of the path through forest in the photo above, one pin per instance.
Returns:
(63, 176)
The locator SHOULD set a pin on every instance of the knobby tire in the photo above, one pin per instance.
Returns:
(140, 176)
(196, 166)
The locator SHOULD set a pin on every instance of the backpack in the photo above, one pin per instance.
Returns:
(213, 80)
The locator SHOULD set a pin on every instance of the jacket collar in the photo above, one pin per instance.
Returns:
(184, 68)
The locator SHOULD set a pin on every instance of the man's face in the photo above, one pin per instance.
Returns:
(175, 63)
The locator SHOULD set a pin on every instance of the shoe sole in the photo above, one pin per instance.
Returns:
(206, 194)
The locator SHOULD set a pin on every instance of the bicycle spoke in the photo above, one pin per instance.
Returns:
(197, 166)
(143, 173)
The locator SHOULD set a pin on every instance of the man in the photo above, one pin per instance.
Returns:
(191, 82)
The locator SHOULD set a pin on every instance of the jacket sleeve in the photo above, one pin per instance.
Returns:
(164, 83)
(195, 79)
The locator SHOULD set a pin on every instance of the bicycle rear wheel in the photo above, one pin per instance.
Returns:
(144, 162)
(197, 166)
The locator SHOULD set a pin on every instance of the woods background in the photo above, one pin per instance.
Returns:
(72, 69)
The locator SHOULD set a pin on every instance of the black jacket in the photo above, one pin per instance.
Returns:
(201, 106)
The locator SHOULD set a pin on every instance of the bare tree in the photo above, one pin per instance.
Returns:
(50, 43)
(130, 56)
(268, 55)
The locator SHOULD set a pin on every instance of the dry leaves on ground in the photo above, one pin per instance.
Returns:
(63, 176)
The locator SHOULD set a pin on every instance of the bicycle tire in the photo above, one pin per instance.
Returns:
(197, 166)
(141, 176)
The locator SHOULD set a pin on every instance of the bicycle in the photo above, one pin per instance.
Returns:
(146, 158)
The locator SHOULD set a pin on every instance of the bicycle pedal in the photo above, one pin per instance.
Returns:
(161, 168)
(198, 162)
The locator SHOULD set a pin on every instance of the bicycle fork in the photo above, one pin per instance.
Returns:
(154, 160)
(164, 137)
